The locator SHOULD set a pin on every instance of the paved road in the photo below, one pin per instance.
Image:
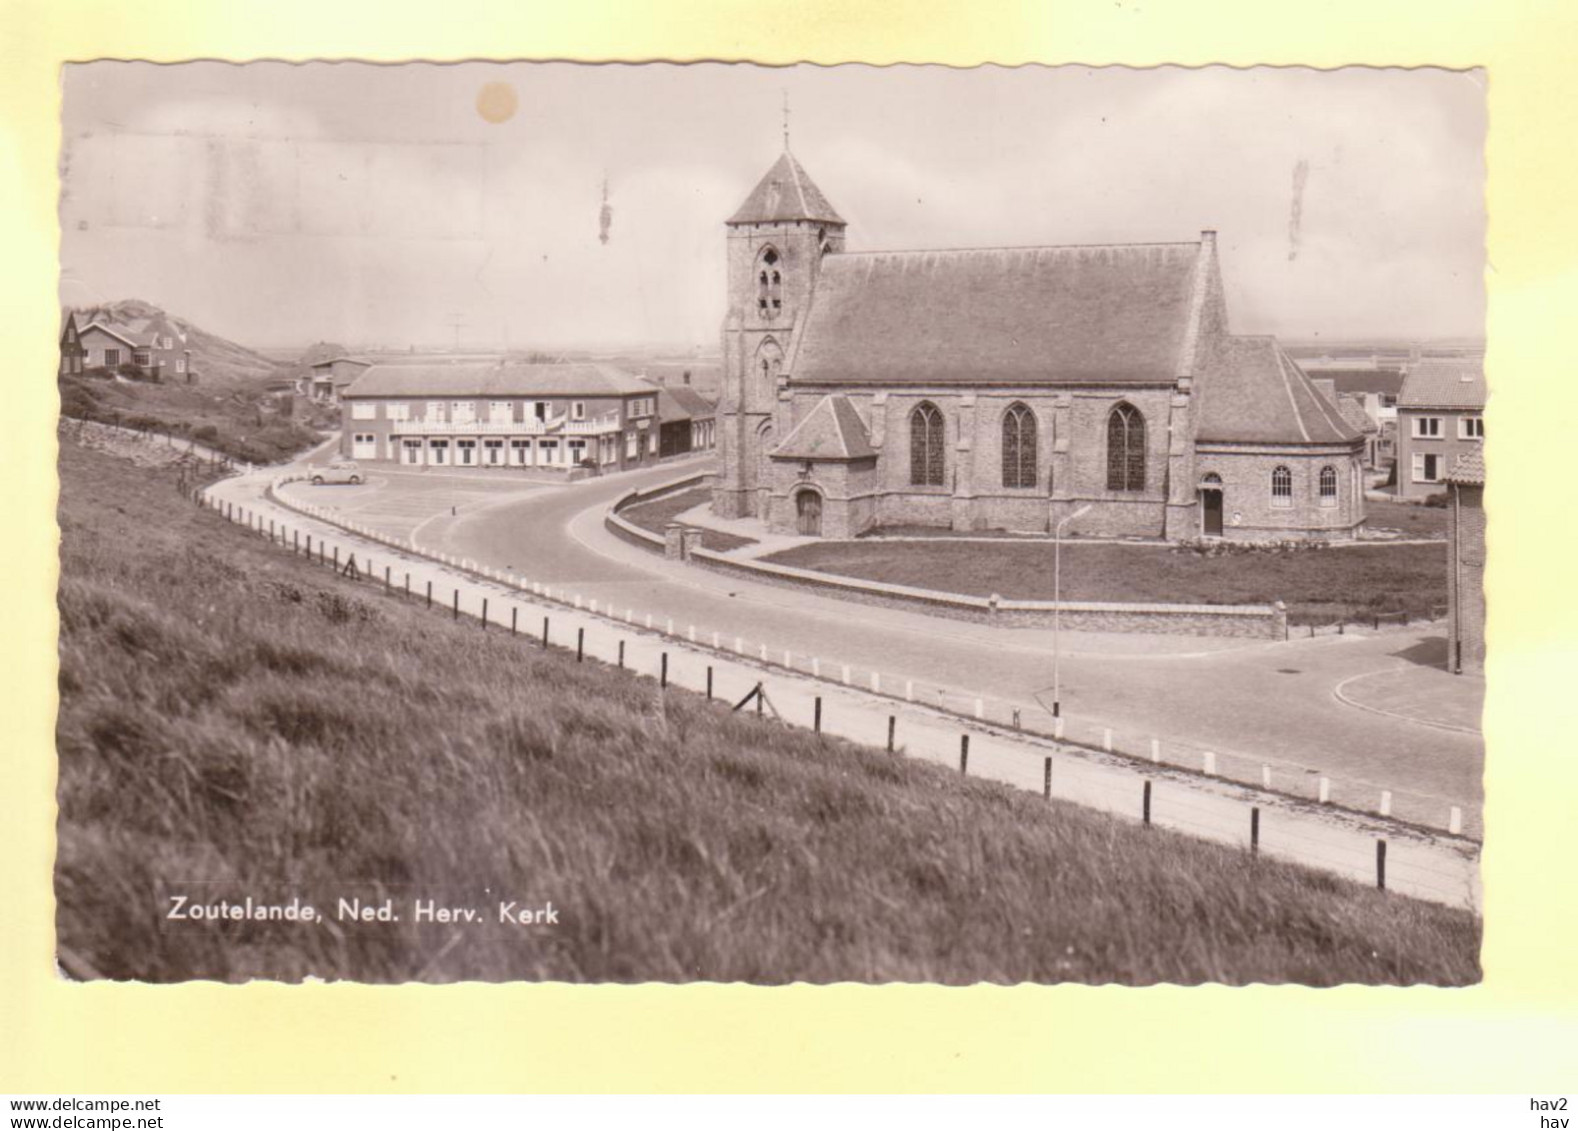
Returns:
(1262, 702)
(1431, 867)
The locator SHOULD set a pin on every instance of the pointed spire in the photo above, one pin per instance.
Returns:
(786, 121)
(785, 193)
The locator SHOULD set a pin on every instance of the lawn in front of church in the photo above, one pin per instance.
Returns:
(1320, 584)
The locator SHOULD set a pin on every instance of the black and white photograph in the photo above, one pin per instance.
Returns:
(717, 522)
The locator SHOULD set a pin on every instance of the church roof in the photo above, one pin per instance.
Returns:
(785, 193)
(1444, 384)
(1115, 314)
(832, 430)
(1251, 392)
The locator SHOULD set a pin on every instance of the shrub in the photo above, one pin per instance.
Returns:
(1439, 499)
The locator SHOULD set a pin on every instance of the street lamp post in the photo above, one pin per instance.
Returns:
(1057, 609)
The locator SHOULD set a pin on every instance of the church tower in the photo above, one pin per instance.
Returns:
(775, 244)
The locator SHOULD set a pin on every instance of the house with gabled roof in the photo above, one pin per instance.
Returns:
(1009, 388)
(687, 418)
(155, 346)
(1440, 417)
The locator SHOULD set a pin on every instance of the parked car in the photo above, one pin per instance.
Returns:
(339, 471)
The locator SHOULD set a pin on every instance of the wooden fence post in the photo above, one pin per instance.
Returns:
(430, 594)
(621, 655)
(484, 614)
(663, 672)
(545, 632)
(514, 617)
(964, 753)
(580, 644)
(709, 682)
(1254, 829)
(892, 724)
(1146, 803)
(1380, 865)
(816, 723)
(1046, 778)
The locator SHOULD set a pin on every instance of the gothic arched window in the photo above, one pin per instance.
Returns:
(1281, 487)
(926, 446)
(1125, 449)
(1019, 447)
(1328, 486)
(769, 362)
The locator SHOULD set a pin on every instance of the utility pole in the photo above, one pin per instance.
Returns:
(457, 320)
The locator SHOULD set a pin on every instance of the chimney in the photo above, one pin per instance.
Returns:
(1208, 238)
(187, 354)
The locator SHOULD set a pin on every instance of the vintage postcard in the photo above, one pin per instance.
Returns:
(537, 522)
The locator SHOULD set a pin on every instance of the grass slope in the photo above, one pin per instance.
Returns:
(1319, 585)
(236, 722)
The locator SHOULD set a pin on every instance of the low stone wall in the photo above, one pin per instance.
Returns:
(1258, 622)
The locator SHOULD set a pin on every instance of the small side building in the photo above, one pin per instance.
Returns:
(1466, 563)
(688, 421)
(333, 375)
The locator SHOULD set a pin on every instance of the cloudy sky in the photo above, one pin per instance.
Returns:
(280, 204)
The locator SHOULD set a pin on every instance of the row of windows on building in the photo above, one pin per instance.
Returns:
(1125, 447)
(143, 359)
(1430, 428)
(493, 453)
(1125, 453)
(499, 412)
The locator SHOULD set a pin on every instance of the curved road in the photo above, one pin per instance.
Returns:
(1261, 702)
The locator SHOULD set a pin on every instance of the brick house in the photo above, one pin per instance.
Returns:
(1440, 417)
(1465, 483)
(500, 415)
(1009, 388)
(155, 346)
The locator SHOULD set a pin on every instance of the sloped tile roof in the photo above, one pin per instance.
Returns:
(785, 193)
(494, 380)
(1352, 409)
(1117, 314)
(1444, 384)
(687, 403)
(832, 430)
(1468, 470)
(1252, 392)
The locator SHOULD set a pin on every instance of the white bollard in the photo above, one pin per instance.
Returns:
(1057, 727)
(764, 653)
(980, 709)
(1455, 820)
(1106, 739)
(1265, 774)
(716, 642)
(739, 645)
(1156, 748)
(876, 682)
(909, 691)
(536, 587)
(816, 667)
(578, 600)
(1209, 764)
(846, 673)
(671, 626)
(1325, 790)
(594, 605)
(649, 620)
(788, 658)
(1386, 803)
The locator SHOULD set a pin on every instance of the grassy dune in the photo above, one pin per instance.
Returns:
(236, 722)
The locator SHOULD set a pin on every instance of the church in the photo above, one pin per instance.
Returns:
(1095, 388)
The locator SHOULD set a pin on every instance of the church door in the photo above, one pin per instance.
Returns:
(808, 513)
(1211, 512)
